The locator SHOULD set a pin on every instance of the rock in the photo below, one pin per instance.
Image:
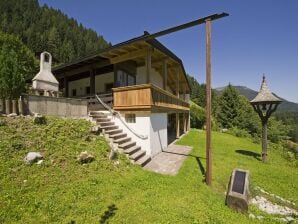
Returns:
(39, 119)
(224, 130)
(251, 216)
(12, 115)
(40, 162)
(33, 157)
(290, 219)
(259, 217)
(85, 157)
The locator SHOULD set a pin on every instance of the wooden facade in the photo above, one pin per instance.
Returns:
(147, 97)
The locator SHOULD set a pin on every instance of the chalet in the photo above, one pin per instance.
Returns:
(140, 80)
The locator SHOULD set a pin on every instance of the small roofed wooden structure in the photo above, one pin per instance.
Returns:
(265, 103)
(265, 95)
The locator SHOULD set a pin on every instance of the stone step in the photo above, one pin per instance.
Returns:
(110, 127)
(117, 136)
(132, 150)
(137, 155)
(112, 132)
(103, 119)
(122, 140)
(143, 161)
(106, 123)
(127, 145)
(91, 113)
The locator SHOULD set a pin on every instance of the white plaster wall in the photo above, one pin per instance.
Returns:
(141, 127)
(80, 85)
(103, 79)
(152, 125)
(158, 132)
(156, 77)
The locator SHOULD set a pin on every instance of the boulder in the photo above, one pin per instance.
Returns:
(39, 119)
(12, 115)
(33, 157)
(85, 157)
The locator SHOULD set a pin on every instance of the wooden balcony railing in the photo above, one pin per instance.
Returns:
(146, 97)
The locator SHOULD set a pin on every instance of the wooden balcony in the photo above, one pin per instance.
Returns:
(147, 97)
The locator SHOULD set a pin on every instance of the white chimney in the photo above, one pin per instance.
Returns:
(45, 80)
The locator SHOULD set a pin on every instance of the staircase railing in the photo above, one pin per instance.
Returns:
(115, 113)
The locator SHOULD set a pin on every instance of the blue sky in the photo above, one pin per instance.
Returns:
(258, 37)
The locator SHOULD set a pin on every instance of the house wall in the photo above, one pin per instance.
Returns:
(158, 132)
(155, 78)
(151, 125)
(80, 86)
(103, 79)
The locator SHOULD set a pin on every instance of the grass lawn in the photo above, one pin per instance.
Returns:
(63, 191)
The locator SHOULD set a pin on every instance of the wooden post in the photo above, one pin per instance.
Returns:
(92, 81)
(208, 104)
(148, 65)
(7, 106)
(165, 74)
(65, 86)
(3, 106)
(15, 107)
(184, 122)
(177, 125)
(264, 140)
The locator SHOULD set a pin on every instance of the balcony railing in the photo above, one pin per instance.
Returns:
(146, 97)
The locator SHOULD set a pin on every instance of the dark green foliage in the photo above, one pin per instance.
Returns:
(291, 120)
(197, 116)
(17, 62)
(48, 29)
(229, 108)
(41, 120)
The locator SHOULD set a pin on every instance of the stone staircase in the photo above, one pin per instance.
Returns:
(114, 133)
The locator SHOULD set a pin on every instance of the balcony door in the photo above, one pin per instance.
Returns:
(125, 79)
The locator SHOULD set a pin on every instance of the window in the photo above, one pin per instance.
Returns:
(87, 90)
(130, 118)
(74, 92)
(125, 79)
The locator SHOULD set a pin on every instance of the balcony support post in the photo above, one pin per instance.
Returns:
(177, 125)
(165, 74)
(148, 65)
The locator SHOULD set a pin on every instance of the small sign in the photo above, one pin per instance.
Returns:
(239, 181)
(238, 190)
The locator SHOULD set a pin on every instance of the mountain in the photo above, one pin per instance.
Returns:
(250, 94)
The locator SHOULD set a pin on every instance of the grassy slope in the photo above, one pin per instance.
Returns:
(62, 190)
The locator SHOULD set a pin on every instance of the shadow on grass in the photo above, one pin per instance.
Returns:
(249, 153)
(109, 213)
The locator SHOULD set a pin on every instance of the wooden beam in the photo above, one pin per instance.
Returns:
(164, 74)
(128, 56)
(208, 104)
(148, 65)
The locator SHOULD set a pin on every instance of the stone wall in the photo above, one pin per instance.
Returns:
(52, 106)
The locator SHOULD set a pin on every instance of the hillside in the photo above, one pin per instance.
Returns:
(46, 29)
(60, 190)
(250, 94)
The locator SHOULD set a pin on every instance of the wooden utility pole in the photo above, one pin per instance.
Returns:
(208, 104)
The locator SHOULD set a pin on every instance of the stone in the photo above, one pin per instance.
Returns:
(95, 130)
(12, 115)
(39, 119)
(224, 130)
(290, 219)
(39, 162)
(238, 190)
(33, 157)
(251, 216)
(85, 157)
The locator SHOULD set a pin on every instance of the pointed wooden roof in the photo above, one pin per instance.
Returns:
(265, 95)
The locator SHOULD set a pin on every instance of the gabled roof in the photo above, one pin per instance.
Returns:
(103, 55)
(265, 95)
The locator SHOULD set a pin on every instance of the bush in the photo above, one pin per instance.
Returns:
(239, 132)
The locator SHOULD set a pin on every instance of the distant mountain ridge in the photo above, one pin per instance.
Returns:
(250, 94)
